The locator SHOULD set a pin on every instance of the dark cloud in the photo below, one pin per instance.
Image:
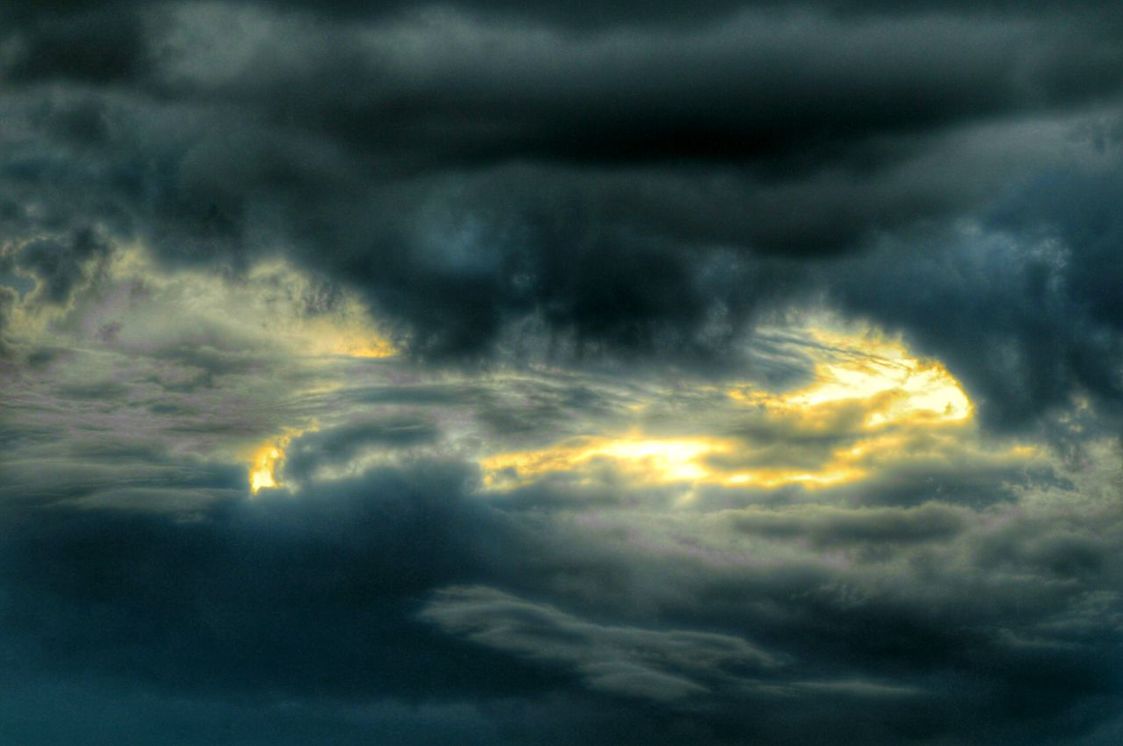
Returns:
(59, 266)
(798, 92)
(220, 599)
(131, 569)
(322, 602)
(826, 527)
(98, 45)
(662, 666)
(575, 222)
(613, 192)
(1017, 315)
(343, 445)
(8, 300)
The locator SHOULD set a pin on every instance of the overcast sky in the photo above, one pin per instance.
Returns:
(501, 372)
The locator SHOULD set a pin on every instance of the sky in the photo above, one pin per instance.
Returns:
(510, 373)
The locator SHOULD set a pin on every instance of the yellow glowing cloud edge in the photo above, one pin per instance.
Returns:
(883, 404)
(267, 459)
(263, 467)
(876, 370)
(645, 460)
(876, 403)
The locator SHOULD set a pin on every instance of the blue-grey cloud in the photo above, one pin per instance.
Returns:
(382, 372)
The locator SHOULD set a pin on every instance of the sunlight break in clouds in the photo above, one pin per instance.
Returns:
(868, 395)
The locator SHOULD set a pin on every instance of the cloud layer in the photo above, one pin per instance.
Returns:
(515, 373)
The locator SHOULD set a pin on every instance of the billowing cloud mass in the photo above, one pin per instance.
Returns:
(493, 372)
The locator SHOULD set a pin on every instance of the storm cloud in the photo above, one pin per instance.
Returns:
(513, 373)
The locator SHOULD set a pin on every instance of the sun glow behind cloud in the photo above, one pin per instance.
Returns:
(263, 467)
(867, 406)
(870, 400)
(266, 460)
(866, 367)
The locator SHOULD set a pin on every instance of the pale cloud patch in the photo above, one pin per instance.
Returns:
(659, 665)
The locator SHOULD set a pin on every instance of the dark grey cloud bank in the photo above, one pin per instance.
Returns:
(613, 187)
(494, 180)
(406, 601)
